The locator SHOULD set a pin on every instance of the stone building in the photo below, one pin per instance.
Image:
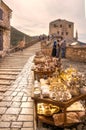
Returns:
(5, 15)
(62, 28)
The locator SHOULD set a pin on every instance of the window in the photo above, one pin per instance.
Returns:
(58, 32)
(1, 14)
(61, 26)
(66, 33)
(1, 40)
(54, 25)
(62, 33)
(69, 26)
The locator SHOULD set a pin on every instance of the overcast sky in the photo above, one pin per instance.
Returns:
(33, 16)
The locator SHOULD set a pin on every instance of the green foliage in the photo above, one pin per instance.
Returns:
(17, 35)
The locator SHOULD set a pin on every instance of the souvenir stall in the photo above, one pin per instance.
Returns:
(59, 95)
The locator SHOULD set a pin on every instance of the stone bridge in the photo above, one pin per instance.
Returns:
(16, 82)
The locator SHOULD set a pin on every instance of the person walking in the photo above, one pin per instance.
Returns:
(21, 45)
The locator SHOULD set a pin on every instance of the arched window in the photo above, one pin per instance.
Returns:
(1, 14)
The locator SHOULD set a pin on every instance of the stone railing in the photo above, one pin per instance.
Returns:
(32, 42)
(76, 53)
(16, 48)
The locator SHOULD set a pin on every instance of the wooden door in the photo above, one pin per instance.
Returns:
(1, 40)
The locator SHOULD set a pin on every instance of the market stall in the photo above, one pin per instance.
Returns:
(59, 96)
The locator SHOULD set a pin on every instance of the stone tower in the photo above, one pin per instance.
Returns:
(62, 28)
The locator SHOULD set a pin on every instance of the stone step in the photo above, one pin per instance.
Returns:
(8, 73)
(10, 69)
(7, 77)
(5, 82)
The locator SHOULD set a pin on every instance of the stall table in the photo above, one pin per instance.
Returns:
(63, 106)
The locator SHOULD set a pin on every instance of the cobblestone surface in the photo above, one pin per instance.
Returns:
(16, 105)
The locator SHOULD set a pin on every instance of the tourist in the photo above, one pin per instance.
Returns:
(63, 48)
(58, 49)
(54, 49)
(21, 45)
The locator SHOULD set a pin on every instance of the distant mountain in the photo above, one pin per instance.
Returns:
(17, 35)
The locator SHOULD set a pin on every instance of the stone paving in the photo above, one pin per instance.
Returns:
(16, 106)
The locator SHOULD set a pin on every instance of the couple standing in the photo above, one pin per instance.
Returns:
(59, 48)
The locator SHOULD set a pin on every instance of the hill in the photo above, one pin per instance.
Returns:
(17, 35)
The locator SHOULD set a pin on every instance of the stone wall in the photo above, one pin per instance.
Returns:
(5, 28)
(5, 22)
(76, 53)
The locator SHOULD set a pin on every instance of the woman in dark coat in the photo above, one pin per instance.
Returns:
(54, 50)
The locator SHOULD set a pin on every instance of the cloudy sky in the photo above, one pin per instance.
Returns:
(33, 16)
